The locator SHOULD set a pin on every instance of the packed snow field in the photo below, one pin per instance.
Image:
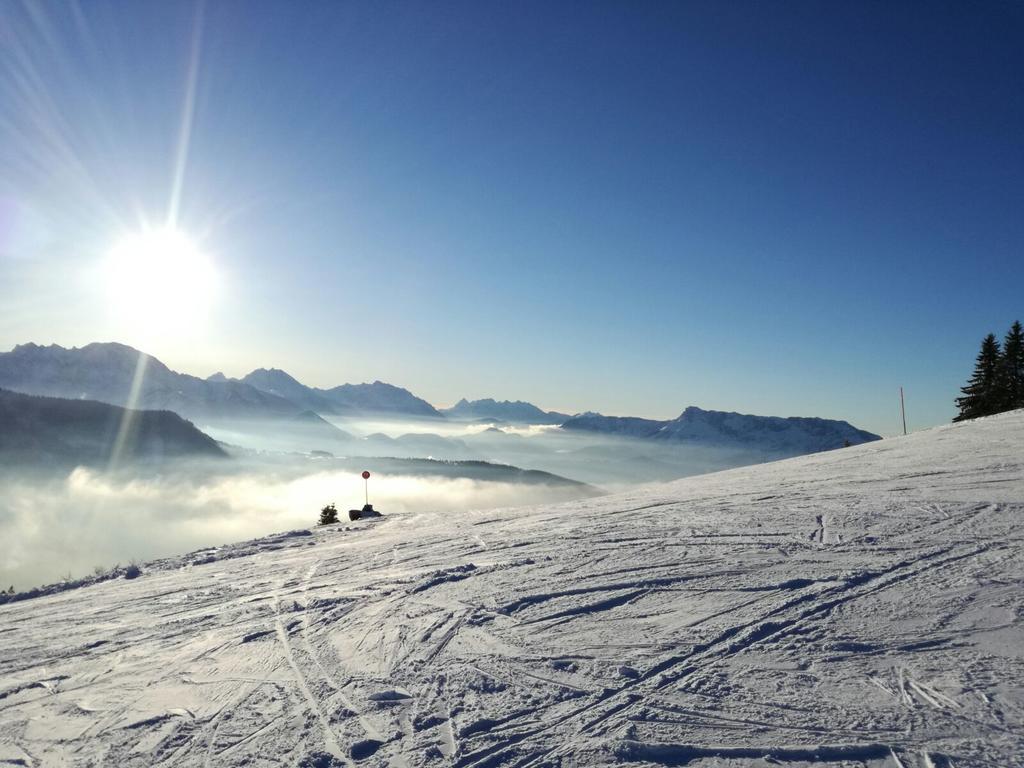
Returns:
(861, 607)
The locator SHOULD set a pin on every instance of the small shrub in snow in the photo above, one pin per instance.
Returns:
(329, 515)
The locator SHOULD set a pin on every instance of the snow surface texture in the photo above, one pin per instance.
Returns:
(860, 607)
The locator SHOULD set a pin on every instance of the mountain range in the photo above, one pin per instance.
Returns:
(793, 435)
(346, 399)
(120, 375)
(515, 412)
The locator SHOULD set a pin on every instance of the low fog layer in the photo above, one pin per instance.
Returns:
(607, 461)
(55, 526)
(280, 473)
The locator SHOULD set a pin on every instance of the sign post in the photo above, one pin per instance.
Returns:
(903, 412)
(366, 486)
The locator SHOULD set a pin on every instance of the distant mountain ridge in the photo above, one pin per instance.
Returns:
(784, 435)
(344, 399)
(276, 382)
(108, 372)
(49, 430)
(517, 412)
(626, 426)
(120, 375)
(380, 397)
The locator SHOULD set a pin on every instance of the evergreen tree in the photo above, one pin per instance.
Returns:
(328, 515)
(981, 394)
(1011, 380)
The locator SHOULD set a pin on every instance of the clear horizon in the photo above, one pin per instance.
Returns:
(787, 211)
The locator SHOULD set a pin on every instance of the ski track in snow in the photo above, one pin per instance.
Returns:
(861, 607)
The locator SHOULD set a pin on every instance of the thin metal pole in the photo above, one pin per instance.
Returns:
(366, 481)
(903, 412)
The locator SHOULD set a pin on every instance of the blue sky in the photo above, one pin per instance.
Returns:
(774, 208)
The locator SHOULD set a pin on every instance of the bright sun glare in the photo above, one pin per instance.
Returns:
(159, 281)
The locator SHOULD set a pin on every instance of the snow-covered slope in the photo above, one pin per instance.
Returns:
(860, 607)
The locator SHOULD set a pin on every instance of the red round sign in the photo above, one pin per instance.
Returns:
(366, 475)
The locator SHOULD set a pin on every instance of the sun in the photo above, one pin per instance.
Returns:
(158, 281)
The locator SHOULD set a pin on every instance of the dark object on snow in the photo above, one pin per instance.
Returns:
(329, 515)
(366, 511)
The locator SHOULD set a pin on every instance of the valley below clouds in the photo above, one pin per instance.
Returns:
(52, 527)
